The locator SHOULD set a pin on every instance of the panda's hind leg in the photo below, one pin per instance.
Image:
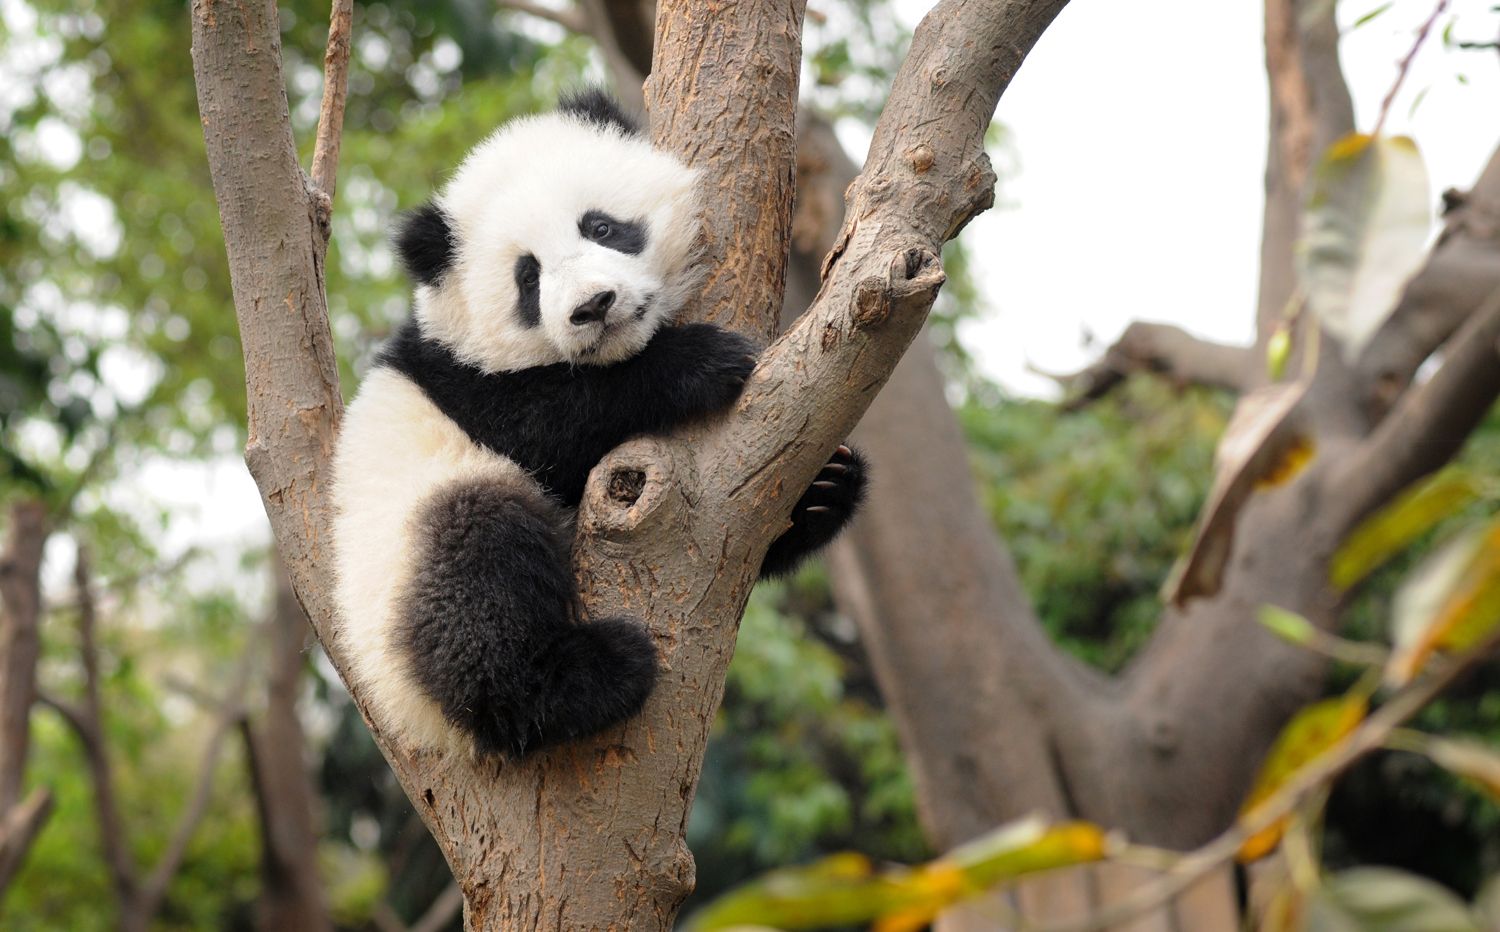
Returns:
(490, 629)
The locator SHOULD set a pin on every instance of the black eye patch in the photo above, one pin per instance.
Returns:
(528, 286)
(625, 236)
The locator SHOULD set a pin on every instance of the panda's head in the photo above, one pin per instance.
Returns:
(561, 238)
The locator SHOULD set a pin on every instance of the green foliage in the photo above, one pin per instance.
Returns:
(799, 763)
(1097, 505)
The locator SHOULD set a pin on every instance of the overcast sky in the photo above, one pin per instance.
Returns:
(1141, 134)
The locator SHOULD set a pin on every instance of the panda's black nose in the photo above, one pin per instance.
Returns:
(593, 310)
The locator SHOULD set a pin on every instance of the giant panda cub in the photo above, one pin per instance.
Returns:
(548, 272)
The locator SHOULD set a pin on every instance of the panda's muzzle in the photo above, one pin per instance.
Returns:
(593, 310)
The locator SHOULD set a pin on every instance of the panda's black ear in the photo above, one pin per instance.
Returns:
(597, 106)
(424, 241)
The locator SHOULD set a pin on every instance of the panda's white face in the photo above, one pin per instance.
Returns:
(568, 240)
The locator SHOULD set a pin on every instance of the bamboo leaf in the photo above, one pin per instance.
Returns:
(1394, 528)
(1309, 735)
(1364, 233)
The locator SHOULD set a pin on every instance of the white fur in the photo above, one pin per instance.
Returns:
(523, 191)
(395, 449)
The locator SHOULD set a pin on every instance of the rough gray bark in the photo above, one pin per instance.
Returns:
(671, 529)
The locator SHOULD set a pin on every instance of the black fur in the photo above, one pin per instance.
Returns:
(558, 421)
(529, 287)
(599, 108)
(491, 630)
(820, 514)
(424, 241)
(625, 236)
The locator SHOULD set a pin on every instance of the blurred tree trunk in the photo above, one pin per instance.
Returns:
(20, 649)
(291, 895)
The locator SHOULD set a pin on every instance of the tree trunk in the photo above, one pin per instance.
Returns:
(291, 895)
(20, 644)
(20, 649)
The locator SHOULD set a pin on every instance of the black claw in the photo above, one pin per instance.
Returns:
(825, 484)
(836, 468)
(844, 451)
(819, 509)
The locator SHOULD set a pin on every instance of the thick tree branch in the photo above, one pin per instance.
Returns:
(1165, 350)
(1462, 270)
(745, 142)
(1430, 423)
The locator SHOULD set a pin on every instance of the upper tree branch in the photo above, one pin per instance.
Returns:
(325, 164)
(1167, 351)
(1461, 271)
(566, 17)
(1431, 422)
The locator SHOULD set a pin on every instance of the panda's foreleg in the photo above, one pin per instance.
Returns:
(820, 513)
(490, 629)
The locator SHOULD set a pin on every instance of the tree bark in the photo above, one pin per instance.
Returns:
(20, 649)
(671, 529)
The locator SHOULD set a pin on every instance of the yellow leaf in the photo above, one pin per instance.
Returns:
(842, 890)
(1310, 734)
(1396, 526)
(1451, 603)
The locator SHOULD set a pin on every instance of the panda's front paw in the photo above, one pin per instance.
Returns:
(713, 366)
(821, 512)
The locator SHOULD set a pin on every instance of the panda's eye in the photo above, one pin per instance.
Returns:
(530, 277)
(600, 229)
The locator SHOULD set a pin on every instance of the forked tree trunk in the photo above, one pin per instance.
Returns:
(671, 529)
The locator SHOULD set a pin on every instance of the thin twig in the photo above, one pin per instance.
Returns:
(1405, 66)
(569, 19)
(325, 166)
